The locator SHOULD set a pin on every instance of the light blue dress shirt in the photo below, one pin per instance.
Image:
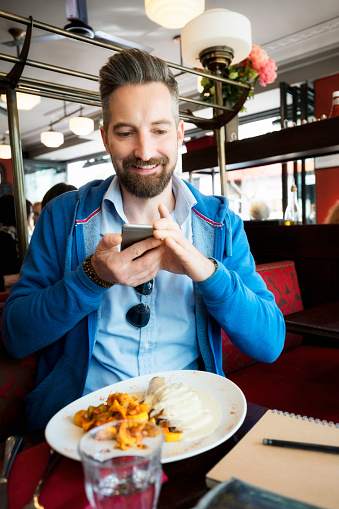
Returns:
(169, 340)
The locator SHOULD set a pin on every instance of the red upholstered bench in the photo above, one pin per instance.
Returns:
(304, 379)
(17, 378)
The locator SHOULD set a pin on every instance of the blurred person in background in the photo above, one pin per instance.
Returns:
(30, 222)
(9, 251)
(36, 211)
(259, 211)
(55, 191)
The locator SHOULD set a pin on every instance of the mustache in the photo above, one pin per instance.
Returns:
(136, 161)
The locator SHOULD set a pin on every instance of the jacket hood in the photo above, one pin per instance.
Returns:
(90, 196)
(212, 207)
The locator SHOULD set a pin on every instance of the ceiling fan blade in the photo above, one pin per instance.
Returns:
(76, 13)
(118, 41)
(76, 10)
(19, 42)
(38, 38)
(99, 36)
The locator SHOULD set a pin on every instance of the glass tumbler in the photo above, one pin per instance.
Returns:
(122, 464)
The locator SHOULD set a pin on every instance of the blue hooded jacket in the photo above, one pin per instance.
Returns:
(54, 308)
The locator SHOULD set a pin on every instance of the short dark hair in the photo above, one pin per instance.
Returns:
(55, 191)
(135, 67)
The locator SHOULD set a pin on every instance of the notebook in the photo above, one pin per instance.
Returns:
(308, 476)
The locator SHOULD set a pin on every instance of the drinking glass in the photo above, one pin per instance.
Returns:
(120, 470)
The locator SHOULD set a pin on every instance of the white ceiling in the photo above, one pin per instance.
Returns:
(302, 36)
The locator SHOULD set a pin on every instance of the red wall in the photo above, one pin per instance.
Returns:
(327, 180)
(323, 89)
(327, 191)
(7, 164)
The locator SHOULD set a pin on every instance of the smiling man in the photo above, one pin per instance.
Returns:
(80, 298)
(143, 141)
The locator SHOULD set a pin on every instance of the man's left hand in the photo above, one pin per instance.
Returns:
(180, 257)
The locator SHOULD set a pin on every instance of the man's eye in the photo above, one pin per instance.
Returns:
(160, 131)
(124, 134)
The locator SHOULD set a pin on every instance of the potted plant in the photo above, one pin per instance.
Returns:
(256, 67)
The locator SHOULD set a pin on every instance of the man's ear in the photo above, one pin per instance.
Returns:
(180, 131)
(104, 139)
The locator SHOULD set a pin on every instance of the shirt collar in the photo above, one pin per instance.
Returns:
(113, 199)
(184, 200)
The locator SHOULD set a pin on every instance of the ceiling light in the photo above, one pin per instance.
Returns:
(24, 101)
(52, 138)
(81, 125)
(173, 13)
(5, 150)
(216, 38)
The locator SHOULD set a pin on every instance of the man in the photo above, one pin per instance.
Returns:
(79, 296)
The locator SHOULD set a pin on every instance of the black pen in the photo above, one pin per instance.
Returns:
(301, 445)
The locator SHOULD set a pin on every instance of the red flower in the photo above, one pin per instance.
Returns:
(267, 74)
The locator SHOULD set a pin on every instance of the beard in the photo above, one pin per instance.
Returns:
(144, 186)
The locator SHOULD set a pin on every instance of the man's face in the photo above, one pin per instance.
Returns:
(143, 138)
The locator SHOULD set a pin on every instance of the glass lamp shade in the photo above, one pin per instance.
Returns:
(52, 138)
(216, 27)
(24, 101)
(81, 125)
(173, 13)
(5, 151)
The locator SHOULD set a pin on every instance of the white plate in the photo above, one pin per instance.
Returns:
(63, 436)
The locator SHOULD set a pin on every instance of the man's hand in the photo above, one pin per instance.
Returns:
(127, 267)
(180, 256)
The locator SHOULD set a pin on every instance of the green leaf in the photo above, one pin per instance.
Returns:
(233, 75)
(205, 81)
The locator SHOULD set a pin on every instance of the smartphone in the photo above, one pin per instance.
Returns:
(132, 233)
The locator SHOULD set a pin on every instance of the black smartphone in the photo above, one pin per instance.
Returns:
(132, 233)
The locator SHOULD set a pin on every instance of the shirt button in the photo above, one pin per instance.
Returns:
(146, 346)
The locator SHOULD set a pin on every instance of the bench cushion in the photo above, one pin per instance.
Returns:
(282, 280)
(301, 379)
(17, 377)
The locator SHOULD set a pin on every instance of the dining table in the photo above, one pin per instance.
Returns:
(184, 481)
(322, 320)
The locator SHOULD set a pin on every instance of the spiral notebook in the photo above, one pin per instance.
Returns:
(307, 476)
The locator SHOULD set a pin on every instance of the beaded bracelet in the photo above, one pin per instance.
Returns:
(93, 276)
(215, 264)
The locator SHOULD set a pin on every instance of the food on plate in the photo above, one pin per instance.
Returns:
(178, 408)
(182, 412)
(127, 435)
(118, 407)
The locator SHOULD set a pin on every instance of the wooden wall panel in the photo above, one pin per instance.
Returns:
(313, 248)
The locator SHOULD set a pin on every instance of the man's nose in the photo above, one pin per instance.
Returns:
(144, 148)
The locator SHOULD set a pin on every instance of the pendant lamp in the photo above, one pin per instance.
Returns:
(173, 13)
(5, 150)
(52, 138)
(24, 101)
(216, 38)
(81, 125)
